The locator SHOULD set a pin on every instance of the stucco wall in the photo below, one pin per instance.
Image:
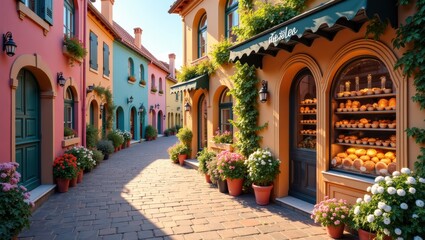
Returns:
(155, 98)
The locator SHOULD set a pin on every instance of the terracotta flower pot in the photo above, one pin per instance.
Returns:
(208, 178)
(80, 176)
(128, 143)
(335, 231)
(262, 194)
(62, 184)
(235, 186)
(182, 157)
(365, 235)
(73, 182)
(222, 186)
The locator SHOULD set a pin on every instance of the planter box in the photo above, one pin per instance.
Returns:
(70, 56)
(218, 147)
(70, 142)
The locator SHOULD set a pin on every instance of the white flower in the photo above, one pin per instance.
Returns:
(396, 173)
(386, 232)
(359, 200)
(404, 206)
(374, 189)
(391, 190)
(262, 162)
(422, 180)
(377, 212)
(380, 189)
(417, 238)
(397, 231)
(415, 216)
(419, 203)
(381, 205)
(387, 178)
(412, 190)
(411, 180)
(401, 192)
(387, 221)
(367, 198)
(368, 189)
(405, 171)
(357, 210)
(389, 183)
(379, 179)
(370, 218)
(387, 208)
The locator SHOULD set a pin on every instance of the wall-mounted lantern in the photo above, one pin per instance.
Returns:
(61, 80)
(187, 106)
(263, 92)
(101, 110)
(130, 100)
(9, 46)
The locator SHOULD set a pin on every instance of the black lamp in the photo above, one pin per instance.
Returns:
(61, 79)
(163, 117)
(263, 92)
(101, 110)
(90, 88)
(9, 46)
(130, 100)
(187, 106)
(141, 109)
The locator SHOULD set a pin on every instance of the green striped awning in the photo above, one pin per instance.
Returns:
(193, 84)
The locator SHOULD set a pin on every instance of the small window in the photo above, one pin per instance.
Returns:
(153, 82)
(226, 113)
(69, 109)
(141, 72)
(130, 67)
(160, 84)
(43, 8)
(232, 19)
(68, 18)
(202, 37)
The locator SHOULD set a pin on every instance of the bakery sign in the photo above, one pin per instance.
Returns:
(277, 36)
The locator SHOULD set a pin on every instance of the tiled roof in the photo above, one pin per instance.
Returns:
(177, 6)
(91, 8)
(128, 40)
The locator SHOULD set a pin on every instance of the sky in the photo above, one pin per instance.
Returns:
(162, 32)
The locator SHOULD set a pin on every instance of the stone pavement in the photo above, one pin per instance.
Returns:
(139, 194)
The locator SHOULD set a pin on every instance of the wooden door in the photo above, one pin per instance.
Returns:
(27, 123)
(132, 119)
(303, 137)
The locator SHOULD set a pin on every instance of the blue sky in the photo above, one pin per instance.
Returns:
(162, 32)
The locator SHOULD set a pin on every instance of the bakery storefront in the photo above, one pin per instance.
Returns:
(339, 108)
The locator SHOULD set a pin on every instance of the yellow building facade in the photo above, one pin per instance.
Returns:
(173, 101)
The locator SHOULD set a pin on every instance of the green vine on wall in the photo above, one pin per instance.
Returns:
(246, 94)
(412, 34)
(110, 107)
(188, 72)
(220, 52)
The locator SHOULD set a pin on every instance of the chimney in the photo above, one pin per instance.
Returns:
(138, 37)
(172, 65)
(106, 10)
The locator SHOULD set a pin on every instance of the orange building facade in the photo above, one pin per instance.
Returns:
(337, 109)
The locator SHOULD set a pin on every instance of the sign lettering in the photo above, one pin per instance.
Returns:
(276, 37)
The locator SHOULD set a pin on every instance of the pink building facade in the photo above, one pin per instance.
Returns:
(35, 106)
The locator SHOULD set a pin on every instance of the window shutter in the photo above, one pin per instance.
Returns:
(93, 51)
(105, 59)
(45, 10)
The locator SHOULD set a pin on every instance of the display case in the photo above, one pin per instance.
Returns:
(363, 136)
(306, 137)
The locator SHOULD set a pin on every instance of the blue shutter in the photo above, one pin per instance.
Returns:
(45, 10)
(105, 59)
(93, 51)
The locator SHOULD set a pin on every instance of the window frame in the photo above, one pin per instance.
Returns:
(202, 30)
(224, 106)
(69, 7)
(232, 9)
(69, 109)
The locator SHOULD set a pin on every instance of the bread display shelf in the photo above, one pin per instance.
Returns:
(366, 146)
(367, 96)
(307, 113)
(368, 129)
(308, 134)
(367, 112)
(308, 104)
(311, 124)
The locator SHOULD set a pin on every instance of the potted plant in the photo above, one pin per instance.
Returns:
(262, 170)
(393, 208)
(97, 156)
(161, 91)
(92, 134)
(106, 147)
(68, 132)
(167, 132)
(222, 141)
(150, 133)
(85, 161)
(204, 157)
(172, 152)
(185, 136)
(131, 78)
(74, 48)
(64, 169)
(14, 202)
(215, 176)
(142, 82)
(183, 151)
(332, 214)
(116, 138)
(154, 89)
(231, 167)
(127, 138)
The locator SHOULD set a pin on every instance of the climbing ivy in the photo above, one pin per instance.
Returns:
(245, 93)
(188, 72)
(412, 34)
(220, 52)
(110, 107)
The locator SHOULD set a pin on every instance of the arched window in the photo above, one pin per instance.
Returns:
(225, 106)
(160, 84)
(232, 18)
(141, 72)
(202, 36)
(69, 109)
(153, 82)
(68, 18)
(130, 67)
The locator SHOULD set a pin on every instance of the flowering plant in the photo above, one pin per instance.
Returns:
(231, 165)
(331, 212)
(225, 137)
(84, 157)
(126, 135)
(15, 207)
(395, 207)
(65, 166)
(262, 167)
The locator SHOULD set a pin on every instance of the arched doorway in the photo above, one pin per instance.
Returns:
(92, 113)
(104, 116)
(132, 121)
(302, 174)
(27, 136)
(120, 119)
(202, 123)
(160, 119)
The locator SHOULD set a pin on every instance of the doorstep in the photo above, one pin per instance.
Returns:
(40, 194)
(296, 204)
(193, 163)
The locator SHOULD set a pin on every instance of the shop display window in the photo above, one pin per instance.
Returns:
(363, 118)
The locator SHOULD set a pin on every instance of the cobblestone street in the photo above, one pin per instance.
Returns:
(139, 194)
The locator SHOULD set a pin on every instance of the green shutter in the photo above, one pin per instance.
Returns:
(45, 10)
(105, 59)
(93, 51)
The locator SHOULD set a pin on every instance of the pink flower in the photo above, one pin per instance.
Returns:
(3, 175)
(337, 222)
(324, 215)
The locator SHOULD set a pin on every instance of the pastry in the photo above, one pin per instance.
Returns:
(381, 168)
(347, 163)
(360, 152)
(392, 102)
(375, 159)
(363, 120)
(368, 166)
(386, 160)
(342, 155)
(371, 152)
(390, 155)
(351, 150)
(365, 158)
(336, 161)
(380, 155)
(358, 163)
(392, 167)
(352, 156)
(382, 102)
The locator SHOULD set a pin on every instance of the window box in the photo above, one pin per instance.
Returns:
(73, 48)
(154, 90)
(218, 147)
(70, 142)
(160, 92)
(142, 83)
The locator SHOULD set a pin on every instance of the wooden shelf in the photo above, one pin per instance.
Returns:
(367, 96)
(308, 104)
(306, 134)
(308, 113)
(366, 146)
(368, 112)
(313, 124)
(368, 129)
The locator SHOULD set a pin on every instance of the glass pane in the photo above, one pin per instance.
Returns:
(306, 99)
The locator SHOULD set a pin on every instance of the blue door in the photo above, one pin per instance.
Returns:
(27, 123)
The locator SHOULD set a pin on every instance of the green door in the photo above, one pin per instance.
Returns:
(27, 123)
